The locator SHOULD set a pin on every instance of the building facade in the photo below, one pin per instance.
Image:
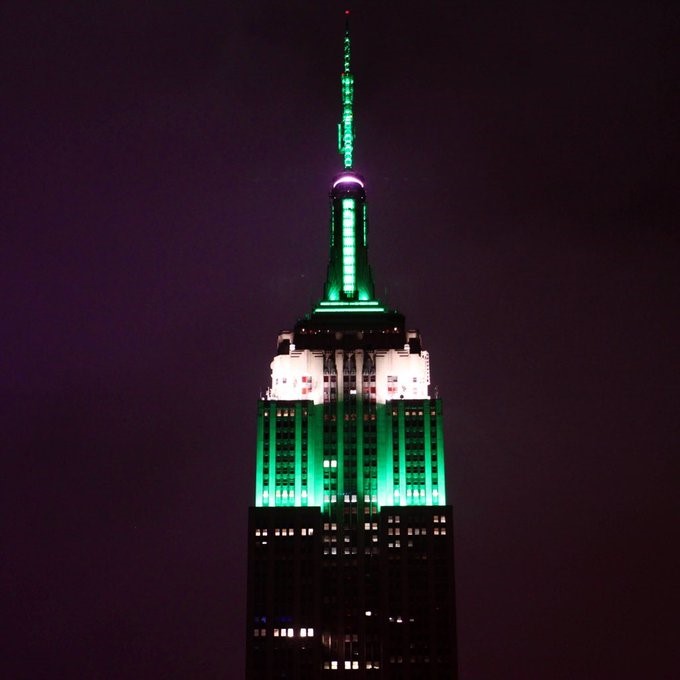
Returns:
(350, 540)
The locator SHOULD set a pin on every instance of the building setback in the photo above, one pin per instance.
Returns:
(350, 541)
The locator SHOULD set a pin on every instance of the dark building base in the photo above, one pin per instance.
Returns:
(329, 597)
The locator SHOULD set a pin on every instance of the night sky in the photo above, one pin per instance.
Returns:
(165, 173)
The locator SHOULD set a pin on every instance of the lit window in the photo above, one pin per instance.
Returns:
(303, 531)
(367, 526)
(276, 632)
(277, 532)
(290, 632)
(284, 532)
(264, 532)
(334, 527)
(256, 632)
(310, 632)
(303, 632)
(443, 531)
(334, 463)
(436, 531)
(257, 532)
(348, 665)
(291, 532)
(310, 531)
(334, 665)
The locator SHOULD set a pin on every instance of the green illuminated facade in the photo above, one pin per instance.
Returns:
(350, 538)
(321, 454)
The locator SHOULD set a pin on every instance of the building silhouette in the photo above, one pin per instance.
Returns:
(350, 540)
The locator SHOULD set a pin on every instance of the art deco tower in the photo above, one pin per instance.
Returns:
(350, 548)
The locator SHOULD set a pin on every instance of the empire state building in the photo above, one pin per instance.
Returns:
(350, 539)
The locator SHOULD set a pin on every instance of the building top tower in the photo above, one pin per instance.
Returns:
(350, 540)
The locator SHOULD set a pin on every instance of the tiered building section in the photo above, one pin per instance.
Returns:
(350, 540)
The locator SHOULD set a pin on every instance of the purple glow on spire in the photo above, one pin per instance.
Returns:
(345, 179)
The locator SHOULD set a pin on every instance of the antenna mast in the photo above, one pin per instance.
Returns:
(346, 134)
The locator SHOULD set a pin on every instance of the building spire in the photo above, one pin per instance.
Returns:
(346, 126)
(349, 282)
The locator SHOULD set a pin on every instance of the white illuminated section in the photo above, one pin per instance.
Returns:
(348, 179)
(399, 374)
(298, 375)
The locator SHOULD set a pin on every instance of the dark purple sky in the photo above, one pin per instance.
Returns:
(165, 168)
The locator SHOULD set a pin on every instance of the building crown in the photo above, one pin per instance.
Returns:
(349, 281)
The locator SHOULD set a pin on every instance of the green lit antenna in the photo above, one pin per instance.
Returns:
(346, 126)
